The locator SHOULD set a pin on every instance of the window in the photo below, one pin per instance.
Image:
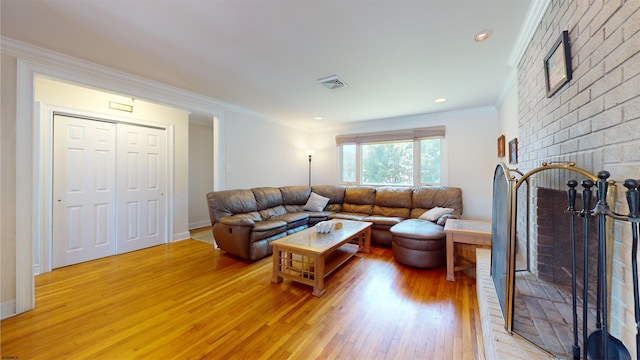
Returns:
(387, 163)
(408, 157)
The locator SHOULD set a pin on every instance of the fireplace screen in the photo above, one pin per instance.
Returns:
(530, 260)
(500, 237)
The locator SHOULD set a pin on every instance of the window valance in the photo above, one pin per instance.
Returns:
(396, 135)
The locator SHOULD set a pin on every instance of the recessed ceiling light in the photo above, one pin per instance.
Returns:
(317, 118)
(483, 35)
(441, 100)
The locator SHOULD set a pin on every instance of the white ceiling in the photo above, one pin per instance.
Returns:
(397, 56)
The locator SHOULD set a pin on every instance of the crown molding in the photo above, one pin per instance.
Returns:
(86, 73)
(416, 118)
(536, 11)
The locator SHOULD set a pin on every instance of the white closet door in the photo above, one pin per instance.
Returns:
(142, 179)
(84, 190)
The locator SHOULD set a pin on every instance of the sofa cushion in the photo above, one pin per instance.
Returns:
(316, 202)
(230, 202)
(393, 201)
(268, 228)
(293, 220)
(295, 195)
(269, 202)
(383, 220)
(269, 213)
(348, 216)
(248, 219)
(359, 199)
(428, 197)
(435, 213)
(317, 216)
(418, 229)
(267, 197)
(335, 193)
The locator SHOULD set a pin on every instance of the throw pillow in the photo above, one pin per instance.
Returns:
(435, 213)
(316, 202)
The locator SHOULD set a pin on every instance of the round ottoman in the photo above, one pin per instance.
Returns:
(419, 243)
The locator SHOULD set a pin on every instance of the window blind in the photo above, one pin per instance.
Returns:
(396, 135)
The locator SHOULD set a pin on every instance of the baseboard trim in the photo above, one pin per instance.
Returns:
(181, 236)
(8, 309)
(199, 224)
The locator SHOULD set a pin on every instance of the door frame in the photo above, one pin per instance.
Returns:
(43, 251)
(32, 62)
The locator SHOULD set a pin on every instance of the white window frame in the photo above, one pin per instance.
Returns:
(353, 140)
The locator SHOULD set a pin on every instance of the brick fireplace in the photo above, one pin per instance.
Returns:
(543, 298)
(593, 121)
(537, 286)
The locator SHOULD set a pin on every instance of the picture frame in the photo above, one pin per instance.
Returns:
(513, 151)
(557, 65)
(501, 145)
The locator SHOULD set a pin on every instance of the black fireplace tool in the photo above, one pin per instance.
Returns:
(586, 213)
(600, 344)
(571, 193)
(633, 200)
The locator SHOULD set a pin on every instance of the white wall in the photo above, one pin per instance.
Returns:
(200, 173)
(8, 183)
(508, 119)
(470, 146)
(259, 152)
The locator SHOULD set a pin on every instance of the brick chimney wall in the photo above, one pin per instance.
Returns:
(594, 120)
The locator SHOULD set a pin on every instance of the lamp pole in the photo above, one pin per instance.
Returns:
(309, 169)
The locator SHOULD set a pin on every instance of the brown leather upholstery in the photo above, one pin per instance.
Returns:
(244, 222)
(419, 243)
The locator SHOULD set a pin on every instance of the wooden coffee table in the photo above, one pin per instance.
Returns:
(472, 232)
(308, 256)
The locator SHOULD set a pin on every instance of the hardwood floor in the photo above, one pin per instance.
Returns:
(187, 300)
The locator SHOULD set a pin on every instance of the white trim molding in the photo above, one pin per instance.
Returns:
(33, 62)
(8, 309)
(533, 19)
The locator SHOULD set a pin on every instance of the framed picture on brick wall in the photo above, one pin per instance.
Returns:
(557, 64)
(513, 151)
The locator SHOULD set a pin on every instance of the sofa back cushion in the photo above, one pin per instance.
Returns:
(269, 202)
(335, 193)
(427, 197)
(294, 197)
(359, 199)
(230, 202)
(393, 201)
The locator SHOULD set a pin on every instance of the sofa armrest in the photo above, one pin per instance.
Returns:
(236, 221)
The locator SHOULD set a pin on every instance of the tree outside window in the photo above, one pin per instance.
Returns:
(392, 163)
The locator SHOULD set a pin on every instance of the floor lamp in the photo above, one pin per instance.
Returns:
(310, 153)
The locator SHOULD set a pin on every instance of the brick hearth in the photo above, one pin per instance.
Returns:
(498, 344)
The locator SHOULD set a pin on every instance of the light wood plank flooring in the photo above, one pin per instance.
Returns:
(187, 300)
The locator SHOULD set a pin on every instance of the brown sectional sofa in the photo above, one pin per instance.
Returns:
(244, 222)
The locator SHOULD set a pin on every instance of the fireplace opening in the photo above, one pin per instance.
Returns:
(542, 309)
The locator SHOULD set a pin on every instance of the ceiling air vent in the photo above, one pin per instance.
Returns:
(332, 82)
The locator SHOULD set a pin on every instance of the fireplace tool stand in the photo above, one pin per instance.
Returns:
(572, 232)
(600, 344)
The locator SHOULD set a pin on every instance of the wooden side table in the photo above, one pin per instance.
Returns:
(472, 232)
